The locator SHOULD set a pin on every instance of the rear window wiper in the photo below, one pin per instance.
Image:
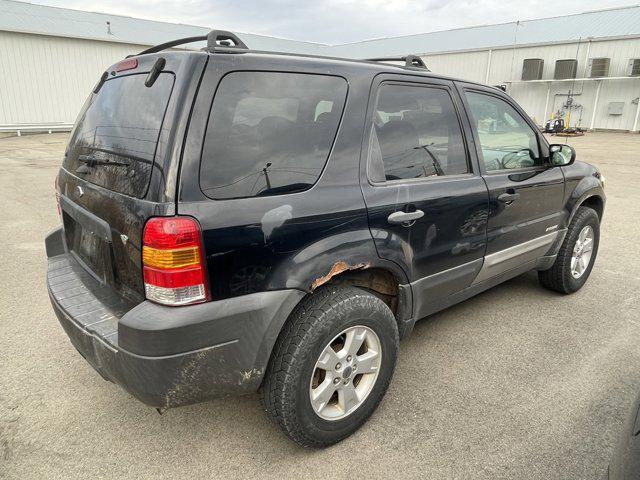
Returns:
(92, 161)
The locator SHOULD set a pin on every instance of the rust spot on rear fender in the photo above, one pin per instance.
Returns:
(337, 269)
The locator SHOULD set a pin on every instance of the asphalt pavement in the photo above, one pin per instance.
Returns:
(517, 382)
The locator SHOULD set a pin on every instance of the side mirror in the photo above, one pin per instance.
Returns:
(561, 155)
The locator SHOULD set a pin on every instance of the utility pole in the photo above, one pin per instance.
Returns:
(513, 52)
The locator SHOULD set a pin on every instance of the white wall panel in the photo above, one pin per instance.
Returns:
(45, 80)
(467, 65)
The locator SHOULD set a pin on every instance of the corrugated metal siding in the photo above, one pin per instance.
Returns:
(599, 24)
(617, 91)
(506, 65)
(619, 52)
(45, 20)
(64, 22)
(468, 65)
(28, 17)
(46, 79)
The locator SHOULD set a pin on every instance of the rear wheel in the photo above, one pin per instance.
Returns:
(331, 365)
(577, 254)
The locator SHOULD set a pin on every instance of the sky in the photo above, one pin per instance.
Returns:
(336, 21)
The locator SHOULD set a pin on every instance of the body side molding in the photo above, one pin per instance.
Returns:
(512, 257)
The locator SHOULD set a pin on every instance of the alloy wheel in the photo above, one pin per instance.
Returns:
(582, 252)
(345, 373)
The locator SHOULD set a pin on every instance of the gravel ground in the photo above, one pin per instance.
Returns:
(515, 383)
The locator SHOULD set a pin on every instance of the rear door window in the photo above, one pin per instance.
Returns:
(416, 134)
(114, 142)
(269, 133)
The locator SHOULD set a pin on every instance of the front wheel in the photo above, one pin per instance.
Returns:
(331, 365)
(577, 254)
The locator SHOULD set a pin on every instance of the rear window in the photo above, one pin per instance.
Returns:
(269, 133)
(114, 142)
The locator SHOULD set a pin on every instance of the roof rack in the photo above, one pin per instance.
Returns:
(216, 39)
(222, 41)
(411, 61)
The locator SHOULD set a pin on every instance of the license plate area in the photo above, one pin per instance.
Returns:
(86, 246)
(88, 238)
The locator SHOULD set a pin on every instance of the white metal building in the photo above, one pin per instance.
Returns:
(51, 57)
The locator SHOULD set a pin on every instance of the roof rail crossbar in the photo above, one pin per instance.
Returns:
(173, 43)
(413, 61)
(215, 39)
(224, 39)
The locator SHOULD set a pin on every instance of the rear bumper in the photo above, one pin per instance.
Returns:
(166, 356)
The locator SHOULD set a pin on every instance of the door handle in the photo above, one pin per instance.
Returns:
(401, 218)
(508, 197)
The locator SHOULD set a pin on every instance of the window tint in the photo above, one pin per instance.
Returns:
(506, 139)
(416, 133)
(251, 110)
(269, 133)
(114, 141)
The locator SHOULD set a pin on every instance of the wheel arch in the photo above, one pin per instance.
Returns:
(382, 282)
(592, 199)
(346, 258)
(588, 193)
(595, 202)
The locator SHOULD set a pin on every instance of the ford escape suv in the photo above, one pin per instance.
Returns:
(237, 221)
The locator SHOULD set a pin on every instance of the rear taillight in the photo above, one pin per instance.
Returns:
(173, 261)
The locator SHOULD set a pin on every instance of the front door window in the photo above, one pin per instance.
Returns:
(506, 139)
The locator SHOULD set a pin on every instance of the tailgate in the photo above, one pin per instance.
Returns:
(106, 175)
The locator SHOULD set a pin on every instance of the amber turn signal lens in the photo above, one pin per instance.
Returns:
(178, 258)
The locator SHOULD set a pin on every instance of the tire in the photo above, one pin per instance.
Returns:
(559, 277)
(312, 327)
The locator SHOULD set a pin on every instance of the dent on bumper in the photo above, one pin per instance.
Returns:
(166, 356)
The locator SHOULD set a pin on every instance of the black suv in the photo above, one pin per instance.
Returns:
(235, 221)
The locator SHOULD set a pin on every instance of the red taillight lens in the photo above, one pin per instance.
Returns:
(173, 261)
(128, 64)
